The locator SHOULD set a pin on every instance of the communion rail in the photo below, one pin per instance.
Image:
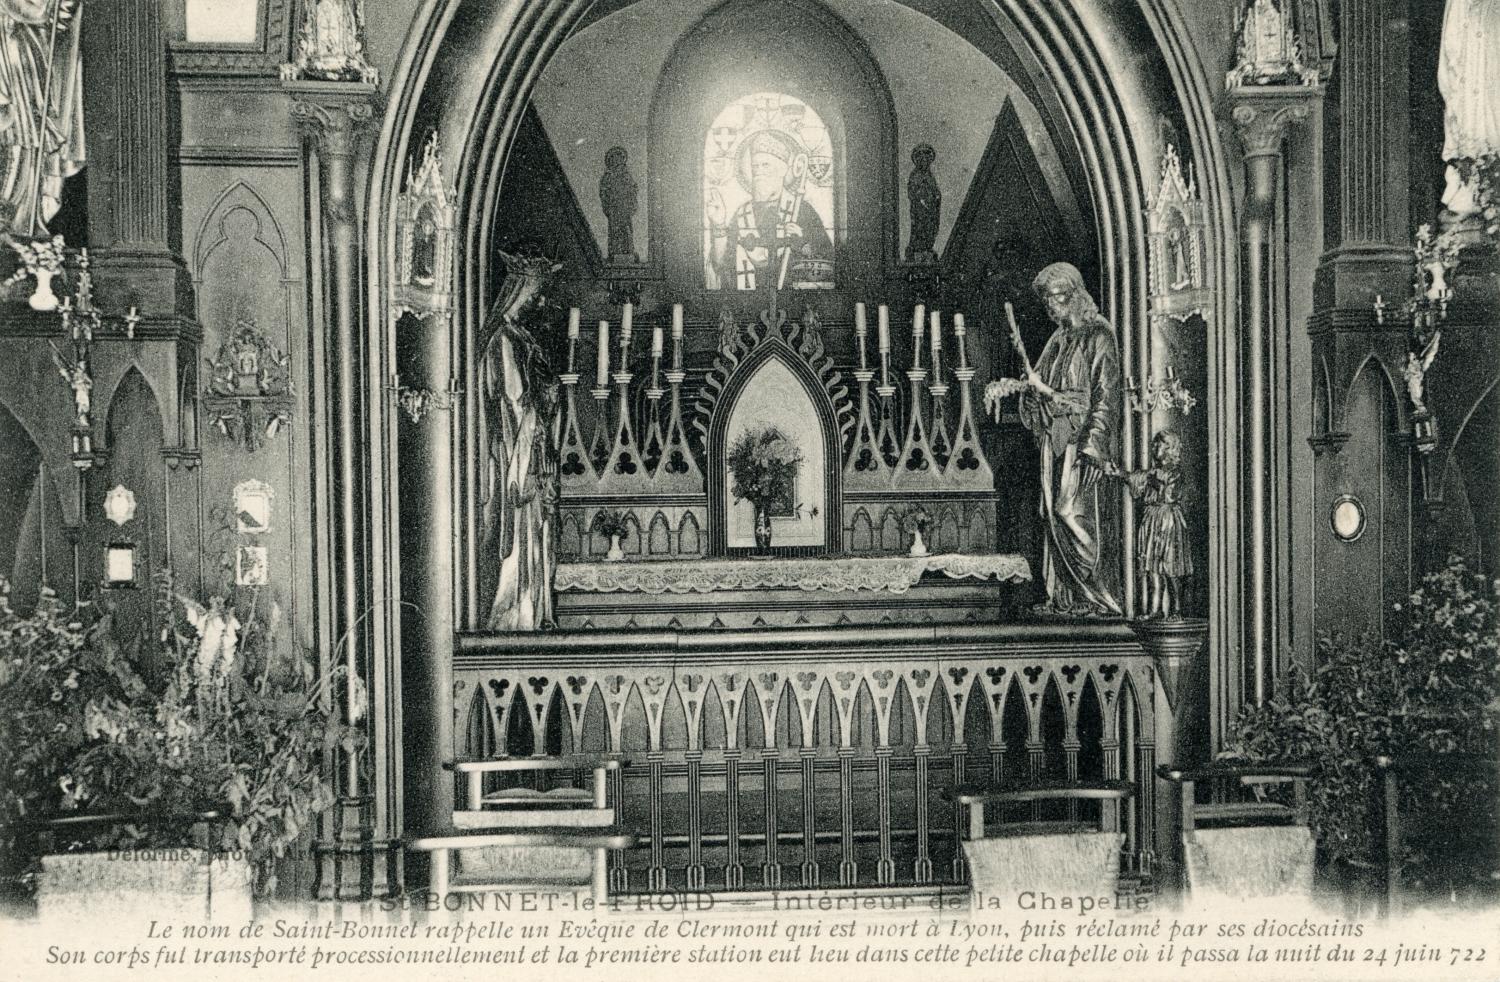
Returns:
(818, 757)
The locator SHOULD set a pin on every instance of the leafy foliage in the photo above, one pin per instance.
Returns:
(610, 522)
(763, 464)
(52, 667)
(1483, 174)
(217, 715)
(1433, 692)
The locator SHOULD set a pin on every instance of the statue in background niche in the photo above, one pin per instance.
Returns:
(925, 199)
(520, 398)
(41, 110)
(618, 194)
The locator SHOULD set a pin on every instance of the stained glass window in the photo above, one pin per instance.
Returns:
(768, 191)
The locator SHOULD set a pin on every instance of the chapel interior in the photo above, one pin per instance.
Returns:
(457, 329)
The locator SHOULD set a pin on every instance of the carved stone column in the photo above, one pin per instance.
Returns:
(1263, 117)
(1369, 204)
(134, 243)
(355, 856)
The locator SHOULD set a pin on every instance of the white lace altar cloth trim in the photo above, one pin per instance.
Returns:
(892, 574)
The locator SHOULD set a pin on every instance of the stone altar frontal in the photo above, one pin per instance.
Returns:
(813, 591)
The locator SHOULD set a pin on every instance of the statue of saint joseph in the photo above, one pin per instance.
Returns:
(1070, 401)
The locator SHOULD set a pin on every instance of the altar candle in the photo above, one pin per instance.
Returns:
(861, 329)
(603, 354)
(677, 336)
(883, 326)
(918, 322)
(937, 345)
(575, 316)
(627, 318)
(656, 339)
(958, 332)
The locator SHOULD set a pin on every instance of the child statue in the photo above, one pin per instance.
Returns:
(1162, 553)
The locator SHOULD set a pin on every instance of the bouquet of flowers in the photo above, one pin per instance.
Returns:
(763, 464)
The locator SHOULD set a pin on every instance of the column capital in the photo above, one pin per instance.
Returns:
(334, 114)
(1262, 114)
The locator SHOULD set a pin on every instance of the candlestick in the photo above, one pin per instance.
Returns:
(603, 373)
(918, 323)
(959, 331)
(861, 329)
(656, 349)
(937, 347)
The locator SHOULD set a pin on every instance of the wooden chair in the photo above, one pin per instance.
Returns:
(974, 798)
(1221, 812)
(1072, 854)
(1470, 767)
(568, 818)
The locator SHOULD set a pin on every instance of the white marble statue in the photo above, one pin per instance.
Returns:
(1469, 78)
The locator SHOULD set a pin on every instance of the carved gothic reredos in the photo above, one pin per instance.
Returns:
(1177, 231)
(798, 340)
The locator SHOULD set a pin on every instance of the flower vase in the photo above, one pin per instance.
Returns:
(615, 553)
(42, 298)
(762, 529)
(918, 546)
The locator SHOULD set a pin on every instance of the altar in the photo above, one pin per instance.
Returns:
(795, 592)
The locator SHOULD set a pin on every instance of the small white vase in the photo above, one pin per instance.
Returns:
(918, 547)
(615, 553)
(42, 298)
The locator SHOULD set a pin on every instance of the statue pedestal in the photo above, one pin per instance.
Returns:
(1176, 647)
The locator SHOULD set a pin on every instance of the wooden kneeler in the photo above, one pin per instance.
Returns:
(600, 840)
(1062, 855)
(566, 818)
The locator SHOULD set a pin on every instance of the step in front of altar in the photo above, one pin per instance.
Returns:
(741, 594)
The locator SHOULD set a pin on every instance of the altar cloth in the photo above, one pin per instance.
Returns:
(892, 574)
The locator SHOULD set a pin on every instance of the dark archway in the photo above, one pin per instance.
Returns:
(468, 68)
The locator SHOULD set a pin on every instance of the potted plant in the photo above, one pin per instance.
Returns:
(215, 716)
(1429, 692)
(611, 524)
(763, 464)
(916, 522)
